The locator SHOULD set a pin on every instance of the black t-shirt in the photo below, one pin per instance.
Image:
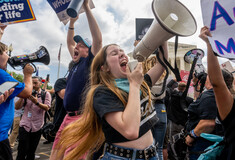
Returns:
(59, 107)
(105, 101)
(203, 108)
(229, 127)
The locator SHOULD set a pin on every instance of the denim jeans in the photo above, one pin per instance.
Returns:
(109, 156)
(159, 130)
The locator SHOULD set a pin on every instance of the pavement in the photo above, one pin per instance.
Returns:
(43, 150)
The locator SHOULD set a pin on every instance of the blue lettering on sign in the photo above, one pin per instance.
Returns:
(223, 13)
(230, 46)
(59, 5)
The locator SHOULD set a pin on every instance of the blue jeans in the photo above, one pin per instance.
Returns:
(109, 156)
(159, 130)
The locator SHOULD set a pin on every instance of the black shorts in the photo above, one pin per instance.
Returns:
(5, 150)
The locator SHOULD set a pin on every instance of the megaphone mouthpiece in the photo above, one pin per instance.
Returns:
(171, 20)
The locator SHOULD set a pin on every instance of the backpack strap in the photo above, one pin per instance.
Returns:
(43, 95)
(25, 102)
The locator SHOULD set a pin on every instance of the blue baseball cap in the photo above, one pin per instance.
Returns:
(86, 41)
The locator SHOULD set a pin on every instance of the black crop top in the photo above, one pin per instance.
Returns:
(105, 101)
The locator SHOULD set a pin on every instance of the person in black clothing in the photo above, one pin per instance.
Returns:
(201, 119)
(60, 112)
(222, 83)
(176, 114)
(118, 110)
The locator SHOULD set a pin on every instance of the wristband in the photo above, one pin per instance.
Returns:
(193, 133)
(71, 28)
(190, 135)
(37, 103)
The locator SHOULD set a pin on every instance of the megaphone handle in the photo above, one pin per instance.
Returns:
(35, 68)
(174, 70)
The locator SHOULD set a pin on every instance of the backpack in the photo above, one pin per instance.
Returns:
(177, 106)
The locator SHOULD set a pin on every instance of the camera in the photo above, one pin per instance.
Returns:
(34, 93)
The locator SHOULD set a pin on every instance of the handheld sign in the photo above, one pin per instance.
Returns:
(218, 15)
(15, 11)
(60, 7)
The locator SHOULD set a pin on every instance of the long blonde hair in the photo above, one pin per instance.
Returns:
(87, 131)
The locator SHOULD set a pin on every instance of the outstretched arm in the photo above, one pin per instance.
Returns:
(224, 98)
(70, 42)
(94, 28)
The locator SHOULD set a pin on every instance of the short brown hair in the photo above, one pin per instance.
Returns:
(3, 48)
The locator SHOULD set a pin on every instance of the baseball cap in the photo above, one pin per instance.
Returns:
(86, 41)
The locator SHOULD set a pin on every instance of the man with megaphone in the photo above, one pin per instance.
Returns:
(82, 53)
(22, 90)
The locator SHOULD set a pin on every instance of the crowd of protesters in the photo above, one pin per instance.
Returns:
(105, 111)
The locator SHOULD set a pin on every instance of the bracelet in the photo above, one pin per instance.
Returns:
(193, 133)
(71, 28)
(37, 103)
(191, 136)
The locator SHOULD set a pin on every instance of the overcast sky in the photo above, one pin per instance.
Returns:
(116, 19)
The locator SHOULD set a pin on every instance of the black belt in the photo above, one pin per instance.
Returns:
(75, 113)
(128, 153)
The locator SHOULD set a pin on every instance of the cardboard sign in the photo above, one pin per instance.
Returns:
(60, 6)
(218, 15)
(142, 26)
(227, 65)
(15, 11)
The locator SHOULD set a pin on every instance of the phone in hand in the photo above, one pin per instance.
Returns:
(48, 76)
(7, 86)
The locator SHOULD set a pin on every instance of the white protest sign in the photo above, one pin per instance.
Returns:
(218, 15)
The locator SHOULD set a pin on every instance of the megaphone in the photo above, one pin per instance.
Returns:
(191, 54)
(172, 18)
(41, 55)
(74, 7)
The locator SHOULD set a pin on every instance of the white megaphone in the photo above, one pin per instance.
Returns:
(172, 18)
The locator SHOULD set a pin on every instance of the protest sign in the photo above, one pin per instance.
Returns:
(218, 15)
(16, 11)
(227, 65)
(142, 25)
(60, 6)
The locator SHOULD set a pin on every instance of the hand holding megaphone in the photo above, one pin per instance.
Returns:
(28, 70)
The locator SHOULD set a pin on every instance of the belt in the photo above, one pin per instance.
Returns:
(128, 153)
(74, 113)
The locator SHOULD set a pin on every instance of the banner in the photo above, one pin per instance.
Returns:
(15, 11)
(60, 6)
(218, 15)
